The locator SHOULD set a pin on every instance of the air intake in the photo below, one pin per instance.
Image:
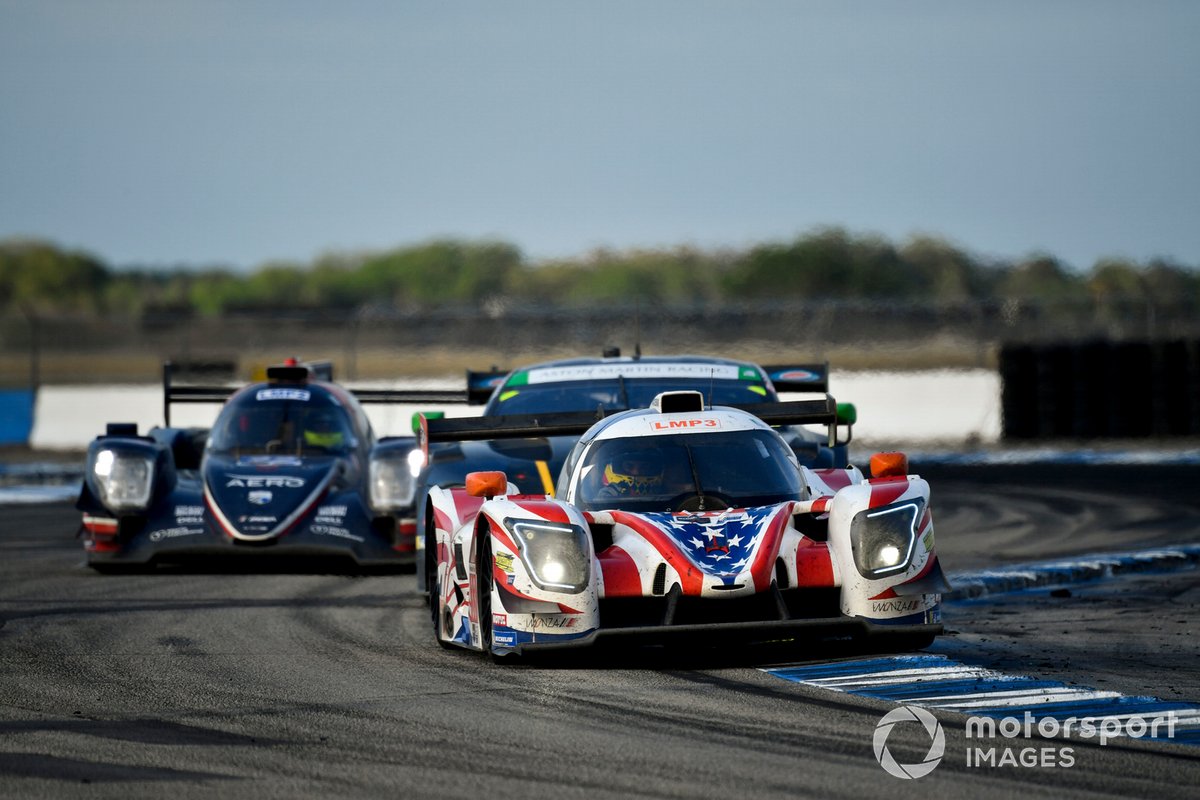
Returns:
(677, 402)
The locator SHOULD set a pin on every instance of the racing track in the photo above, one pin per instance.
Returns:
(252, 685)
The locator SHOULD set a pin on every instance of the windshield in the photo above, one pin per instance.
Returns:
(287, 426)
(618, 394)
(687, 472)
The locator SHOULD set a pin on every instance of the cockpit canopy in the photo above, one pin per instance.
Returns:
(285, 421)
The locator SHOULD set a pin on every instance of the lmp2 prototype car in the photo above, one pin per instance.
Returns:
(681, 522)
(291, 467)
(609, 384)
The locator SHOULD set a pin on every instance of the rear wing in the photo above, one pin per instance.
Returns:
(799, 377)
(481, 384)
(195, 393)
(576, 423)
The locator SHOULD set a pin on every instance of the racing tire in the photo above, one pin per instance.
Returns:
(483, 603)
(430, 566)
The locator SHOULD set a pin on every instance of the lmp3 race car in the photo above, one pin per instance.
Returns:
(291, 467)
(606, 385)
(681, 522)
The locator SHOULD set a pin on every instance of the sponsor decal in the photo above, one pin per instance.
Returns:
(172, 533)
(258, 519)
(264, 481)
(302, 395)
(796, 375)
(331, 515)
(189, 515)
(683, 424)
(332, 511)
(500, 620)
(583, 372)
(331, 530)
(553, 622)
(504, 638)
(269, 462)
(897, 606)
(259, 497)
(504, 561)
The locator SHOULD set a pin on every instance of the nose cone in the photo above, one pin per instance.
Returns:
(260, 497)
(720, 543)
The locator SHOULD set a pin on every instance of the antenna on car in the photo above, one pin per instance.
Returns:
(637, 328)
(712, 380)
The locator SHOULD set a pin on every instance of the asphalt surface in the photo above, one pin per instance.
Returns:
(253, 685)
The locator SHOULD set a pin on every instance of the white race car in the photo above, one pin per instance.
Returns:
(680, 522)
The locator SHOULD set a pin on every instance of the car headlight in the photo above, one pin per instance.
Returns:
(555, 553)
(123, 480)
(392, 484)
(883, 539)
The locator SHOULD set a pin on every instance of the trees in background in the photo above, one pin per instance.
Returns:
(827, 264)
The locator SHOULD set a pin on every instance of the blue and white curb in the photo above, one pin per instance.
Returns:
(1071, 571)
(937, 682)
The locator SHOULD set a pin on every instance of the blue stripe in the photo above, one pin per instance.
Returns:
(964, 690)
(917, 691)
(801, 674)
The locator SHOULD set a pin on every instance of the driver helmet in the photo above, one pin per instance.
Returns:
(638, 471)
(321, 429)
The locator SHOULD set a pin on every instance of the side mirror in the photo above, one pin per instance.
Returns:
(889, 465)
(486, 484)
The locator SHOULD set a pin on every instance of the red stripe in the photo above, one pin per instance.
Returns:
(886, 490)
(834, 478)
(551, 512)
(814, 564)
(690, 576)
(925, 570)
(621, 578)
(442, 520)
(103, 526)
(821, 505)
(763, 568)
(465, 505)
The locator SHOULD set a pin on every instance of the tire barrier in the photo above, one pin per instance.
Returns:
(1100, 389)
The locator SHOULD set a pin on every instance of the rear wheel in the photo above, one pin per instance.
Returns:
(431, 582)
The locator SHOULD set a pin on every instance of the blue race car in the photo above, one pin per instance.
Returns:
(291, 467)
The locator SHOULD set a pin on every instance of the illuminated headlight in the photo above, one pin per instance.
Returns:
(555, 553)
(123, 480)
(392, 484)
(883, 539)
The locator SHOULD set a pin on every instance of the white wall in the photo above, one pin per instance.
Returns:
(944, 406)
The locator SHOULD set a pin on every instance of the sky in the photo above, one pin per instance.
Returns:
(197, 133)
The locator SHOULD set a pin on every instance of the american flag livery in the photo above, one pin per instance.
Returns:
(722, 543)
